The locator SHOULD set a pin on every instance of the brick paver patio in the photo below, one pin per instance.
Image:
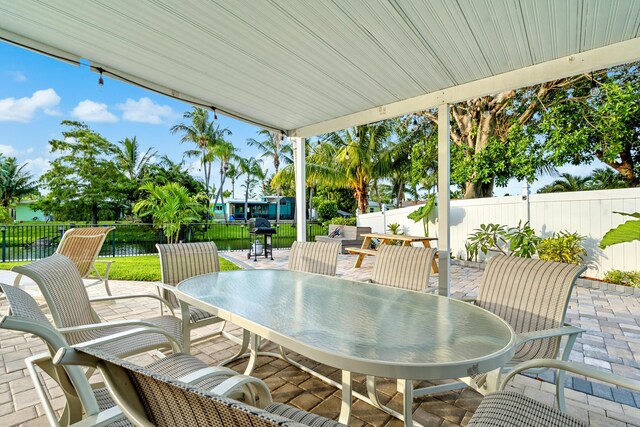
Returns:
(612, 342)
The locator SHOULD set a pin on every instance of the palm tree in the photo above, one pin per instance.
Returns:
(252, 169)
(170, 206)
(567, 182)
(15, 183)
(205, 136)
(606, 178)
(130, 159)
(233, 173)
(225, 152)
(362, 157)
(279, 150)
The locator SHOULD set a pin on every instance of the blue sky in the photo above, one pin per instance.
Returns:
(38, 92)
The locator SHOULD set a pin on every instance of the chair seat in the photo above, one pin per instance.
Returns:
(105, 402)
(300, 416)
(135, 344)
(510, 409)
(197, 314)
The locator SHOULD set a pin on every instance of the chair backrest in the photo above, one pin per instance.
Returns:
(82, 246)
(148, 398)
(181, 261)
(26, 316)
(405, 267)
(62, 287)
(315, 257)
(531, 295)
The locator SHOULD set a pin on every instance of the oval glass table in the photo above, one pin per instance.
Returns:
(357, 327)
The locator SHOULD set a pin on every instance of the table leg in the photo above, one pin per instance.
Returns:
(365, 245)
(434, 263)
(345, 408)
(407, 401)
(254, 347)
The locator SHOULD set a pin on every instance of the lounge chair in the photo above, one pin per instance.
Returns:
(182, 261)
(346, 235)
(27, 317)
(405, 267)
(511, 409)
(63, 289)
(314, 257)
(150, 399)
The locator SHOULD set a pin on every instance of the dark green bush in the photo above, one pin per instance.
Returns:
(327, 210)
(341, 221)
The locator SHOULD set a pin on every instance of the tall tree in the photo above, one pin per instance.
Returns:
(16, 183)
(606, 178)
(201, 132)
(599, 118)
(83, 177)
(225, 152)
(233, 172)
(166, 171)
(275, 147)
(253, 172)
(362, 157)
(133, 163)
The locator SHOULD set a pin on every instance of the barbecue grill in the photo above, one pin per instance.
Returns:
(260, 227)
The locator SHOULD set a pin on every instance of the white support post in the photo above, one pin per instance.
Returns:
(526, 208)
(444, 199)
(301, 188)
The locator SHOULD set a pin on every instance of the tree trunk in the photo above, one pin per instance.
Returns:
(477, 190)
(361, 196)
(246, 199)
(94, 214)
(624, 167)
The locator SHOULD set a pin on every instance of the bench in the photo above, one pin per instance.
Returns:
(348, 235)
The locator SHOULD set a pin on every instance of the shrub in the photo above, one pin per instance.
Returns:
(624, 278)
(341, 221)
(562, 247)
(327, 210)
(518, 241)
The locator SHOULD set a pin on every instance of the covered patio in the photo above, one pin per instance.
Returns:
(592, 402)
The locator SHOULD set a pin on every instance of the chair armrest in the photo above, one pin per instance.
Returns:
(469, 300)
(575, 368)
(104, 261)
(106, 417)
(547, 333)
(114, 298)
(208, 372)
(184, 307)
(242, 381)
(106, 325)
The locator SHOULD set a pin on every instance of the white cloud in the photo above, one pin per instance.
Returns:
(8, 151)
(146, 111)
(90, 111)
(17, 76)
(37, 166)
(23, 109)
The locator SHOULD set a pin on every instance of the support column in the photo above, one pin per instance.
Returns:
(301, 190)
(444, 199)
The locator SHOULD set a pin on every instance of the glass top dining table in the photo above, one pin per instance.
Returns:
(357, 326)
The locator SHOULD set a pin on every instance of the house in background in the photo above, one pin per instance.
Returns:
(265, 207)
(23, 213)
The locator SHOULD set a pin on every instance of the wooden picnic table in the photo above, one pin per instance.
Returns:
(387, 239)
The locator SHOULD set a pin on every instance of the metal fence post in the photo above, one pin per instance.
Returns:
(113, 242)
(4, 243)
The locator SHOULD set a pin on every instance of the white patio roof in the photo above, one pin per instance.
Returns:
(311, 66)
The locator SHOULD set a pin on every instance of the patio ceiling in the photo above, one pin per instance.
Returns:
(312, 66)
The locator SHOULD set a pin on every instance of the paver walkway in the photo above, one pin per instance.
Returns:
(612, 342)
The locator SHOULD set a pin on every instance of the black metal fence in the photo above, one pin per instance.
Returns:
(29, 242)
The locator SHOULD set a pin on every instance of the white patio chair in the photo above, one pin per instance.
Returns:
(149, 399)
(61, 285)
(25, 316)
(182, 261)
(404, 267)
(511, 409)
(315, 257)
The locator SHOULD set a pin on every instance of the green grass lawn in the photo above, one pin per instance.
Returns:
(145, 268)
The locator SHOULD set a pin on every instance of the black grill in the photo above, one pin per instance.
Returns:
(261, 227)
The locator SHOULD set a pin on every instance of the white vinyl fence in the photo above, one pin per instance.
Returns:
(590, 213)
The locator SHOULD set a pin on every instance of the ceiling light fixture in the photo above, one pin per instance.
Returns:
(215, 116)
(100, 79)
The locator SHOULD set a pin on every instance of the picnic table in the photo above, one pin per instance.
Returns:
(387, 239)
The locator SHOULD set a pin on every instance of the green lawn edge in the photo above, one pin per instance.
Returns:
(142, 268)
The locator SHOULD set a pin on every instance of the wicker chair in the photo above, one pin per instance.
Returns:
(150, 399)
(182, 261)
(510, 409)
(61, 285)
(315, 257)
(27, 317)
(405, 267)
